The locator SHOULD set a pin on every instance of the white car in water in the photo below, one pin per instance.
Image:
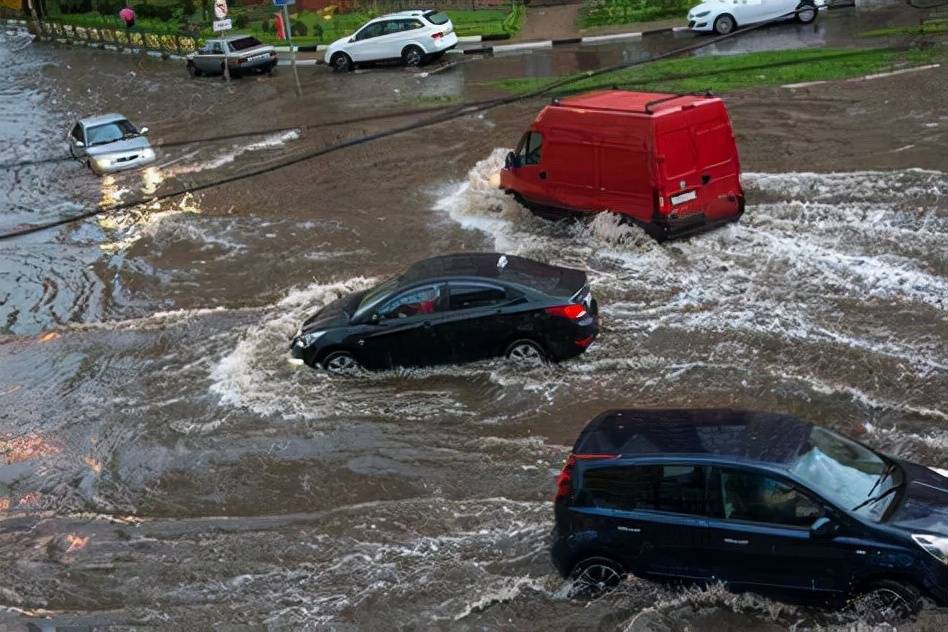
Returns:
(414, 37)
(110, 143)
(723, 16)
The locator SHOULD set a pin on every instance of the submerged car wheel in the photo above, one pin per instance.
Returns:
(341, 363)
(193, 70)
(724, 24)
(888, 601)
(413, 56)
(806, 13)
(341, 62)
(594, 577)
(526, 353)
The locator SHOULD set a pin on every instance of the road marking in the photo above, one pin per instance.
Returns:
(608, 38)
(524, 46)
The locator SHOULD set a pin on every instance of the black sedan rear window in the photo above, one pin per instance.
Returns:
(437, 17)
(244, 43)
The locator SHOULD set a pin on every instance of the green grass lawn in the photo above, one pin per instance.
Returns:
(931, 27)
(723, 73)
(611, 12)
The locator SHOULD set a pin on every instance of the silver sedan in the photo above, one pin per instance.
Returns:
(110, 143)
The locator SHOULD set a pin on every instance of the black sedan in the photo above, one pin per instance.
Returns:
(455, 308)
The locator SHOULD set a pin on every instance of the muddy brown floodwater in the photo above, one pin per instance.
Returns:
(162, 466)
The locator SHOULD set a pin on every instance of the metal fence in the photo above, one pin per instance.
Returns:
(107, 34)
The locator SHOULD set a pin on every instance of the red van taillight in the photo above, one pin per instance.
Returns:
(437, 36)
(573, 311)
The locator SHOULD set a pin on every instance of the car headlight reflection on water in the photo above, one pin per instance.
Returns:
(936, 545)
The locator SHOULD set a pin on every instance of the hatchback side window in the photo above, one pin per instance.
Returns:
(411, 25)
(372, 30)
(532, 144)
(420, 300)
(760, 498)
(469, 295)
(672, 488)
(392, 26)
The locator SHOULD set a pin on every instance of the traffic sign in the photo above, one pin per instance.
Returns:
(222, 25)
(220, 9)
(283, 3)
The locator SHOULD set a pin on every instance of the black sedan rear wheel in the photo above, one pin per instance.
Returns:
(526, 352)
(341, 363)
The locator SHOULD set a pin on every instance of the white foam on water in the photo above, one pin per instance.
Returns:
(272, 141)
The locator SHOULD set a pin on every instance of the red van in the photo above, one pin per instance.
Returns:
(665, 161)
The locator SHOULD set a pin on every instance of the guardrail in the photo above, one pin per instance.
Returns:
(106, 36)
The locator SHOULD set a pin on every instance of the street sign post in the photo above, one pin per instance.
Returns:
(289, 39)
(222, 23)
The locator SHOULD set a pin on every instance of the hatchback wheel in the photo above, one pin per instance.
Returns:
(413, 56)
(341, 363)
(341, 62)
(724, 24)
(594, 577)
(526, 353)
(806, 13)
(888, 601)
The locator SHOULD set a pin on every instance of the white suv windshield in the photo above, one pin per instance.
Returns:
(843, 471)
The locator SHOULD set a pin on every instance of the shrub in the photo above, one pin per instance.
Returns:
(298, 28)
(241, 21)
(266, 26)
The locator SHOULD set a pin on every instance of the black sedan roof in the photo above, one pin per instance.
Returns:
(497, 266)
(769, 438)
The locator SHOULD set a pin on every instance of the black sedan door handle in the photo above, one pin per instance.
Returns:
(733, 541)
(427, 324)
(543, 175)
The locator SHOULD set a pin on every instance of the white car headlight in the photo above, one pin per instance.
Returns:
(148, 154)
(310, 338)
(103, 161)
(702, 14)
(936, 545)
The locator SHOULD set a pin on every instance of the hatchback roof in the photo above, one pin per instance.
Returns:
(408, 13)
(101, 119)
(493, 265)
(636, 102)
(769, 438)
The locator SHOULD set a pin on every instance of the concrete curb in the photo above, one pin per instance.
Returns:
(570, 41)
(878, 75)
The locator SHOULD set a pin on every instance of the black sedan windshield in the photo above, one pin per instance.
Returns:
(845, 472)
(376, 294)
(110, 132)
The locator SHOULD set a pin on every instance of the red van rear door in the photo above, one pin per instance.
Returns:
(700, 170)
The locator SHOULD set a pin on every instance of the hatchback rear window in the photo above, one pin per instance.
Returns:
(672, 488)
(437, 17)
(244, 43)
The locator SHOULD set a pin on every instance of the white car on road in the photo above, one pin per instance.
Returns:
(414, 37)
(723, 16)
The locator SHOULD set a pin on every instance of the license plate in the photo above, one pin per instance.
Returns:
(684, 197)
(259, 57)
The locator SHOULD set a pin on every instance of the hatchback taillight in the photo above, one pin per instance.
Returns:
(573, 311)
(437, 36)
(564, 479)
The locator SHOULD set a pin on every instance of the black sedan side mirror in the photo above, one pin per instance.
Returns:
(823, 528)
(512, 161)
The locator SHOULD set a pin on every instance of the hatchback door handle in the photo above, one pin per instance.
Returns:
(733, 541)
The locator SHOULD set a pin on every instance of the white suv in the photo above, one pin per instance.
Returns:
(414, 37)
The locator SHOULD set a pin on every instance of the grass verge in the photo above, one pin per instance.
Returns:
(931, 27)
(611, 12)
(733, 72)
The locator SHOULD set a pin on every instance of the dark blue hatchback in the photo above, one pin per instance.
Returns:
(759, 501)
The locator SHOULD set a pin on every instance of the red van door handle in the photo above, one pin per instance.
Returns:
(543, 175)
(705, 179)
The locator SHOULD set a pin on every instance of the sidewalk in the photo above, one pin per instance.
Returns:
(561, 22)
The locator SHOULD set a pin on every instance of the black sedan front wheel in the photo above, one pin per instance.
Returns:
(341, 363)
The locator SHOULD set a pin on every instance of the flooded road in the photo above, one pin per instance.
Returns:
(162, 465)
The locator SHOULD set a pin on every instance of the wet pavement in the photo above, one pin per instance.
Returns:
(163, 466)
